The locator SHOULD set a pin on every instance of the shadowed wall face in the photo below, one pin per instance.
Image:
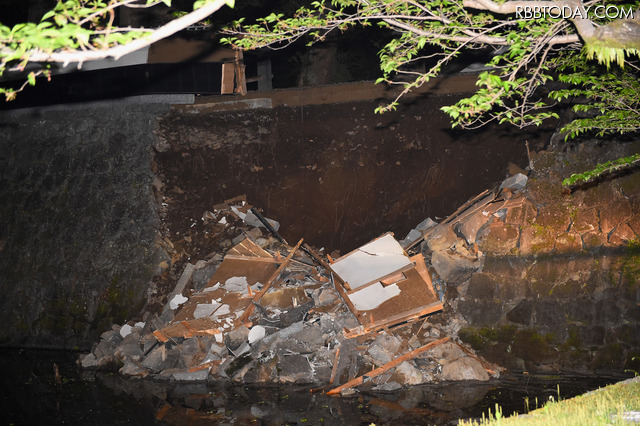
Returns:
(77, 234)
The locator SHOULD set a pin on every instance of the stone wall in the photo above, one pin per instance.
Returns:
(559, 286)
(78, 223)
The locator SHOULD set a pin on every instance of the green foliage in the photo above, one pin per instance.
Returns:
(611, 405)
(72, 26)
(601, 170)
(608, 101)
(435, 32)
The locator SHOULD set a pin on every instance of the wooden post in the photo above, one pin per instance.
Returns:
(359, 380)
(247, 313)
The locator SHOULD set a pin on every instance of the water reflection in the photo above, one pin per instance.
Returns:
(87, 398)
(181, 404)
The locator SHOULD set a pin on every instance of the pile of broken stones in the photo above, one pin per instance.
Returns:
(298, 332)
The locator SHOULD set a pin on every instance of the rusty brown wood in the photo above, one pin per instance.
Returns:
(205, 365)
(334, 369)
(247, 313)
(414, 353)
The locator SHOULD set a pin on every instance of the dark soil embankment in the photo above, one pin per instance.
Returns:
(337, 175)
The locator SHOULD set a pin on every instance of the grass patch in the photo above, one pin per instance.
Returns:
(612, 405)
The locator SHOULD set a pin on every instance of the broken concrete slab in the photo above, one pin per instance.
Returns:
(426, 224)
(237, 337)
(371, 262)
(515, 183)
(465, 368)
(295, 315)
(469, 228)
(252, 219)
(295, 369)
(190, 376)
(384, 348)
(408, 374)
(453, 268)
(441, 238)
(132, 368)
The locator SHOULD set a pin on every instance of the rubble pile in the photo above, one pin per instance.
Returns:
(271, 312)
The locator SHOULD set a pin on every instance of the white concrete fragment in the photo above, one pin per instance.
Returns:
(373, 296)
(125, 330)
(237, 285)
(371, 262)
(223, 310)
(140, 324)
(252, 219)
(256, 334)
(205, 310)
(223, 221)
(212, 288)
(516, 182)
(177, 300)
(238, 212)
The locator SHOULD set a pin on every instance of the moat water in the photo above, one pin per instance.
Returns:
(34, 393)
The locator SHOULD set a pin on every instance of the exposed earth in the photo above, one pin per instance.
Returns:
(337, 175)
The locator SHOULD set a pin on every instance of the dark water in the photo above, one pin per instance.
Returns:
(33, 394)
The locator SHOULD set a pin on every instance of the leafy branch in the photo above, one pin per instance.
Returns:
(82, 30)
(601, 171)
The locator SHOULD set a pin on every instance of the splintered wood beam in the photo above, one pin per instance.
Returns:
(205, 365)
(337, 281)
(247, 313)
(275, 275)
(408, 356)
(334, 370)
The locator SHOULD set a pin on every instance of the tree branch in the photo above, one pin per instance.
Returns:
(121, 50)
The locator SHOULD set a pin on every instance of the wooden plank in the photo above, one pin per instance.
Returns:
(414, 299)
(253, 259)
(253, 270)
(421, 267)
(275, 275)
(466, 205)
(248, 248)
(334, 370)
(376, 372)
(228, 77)
(247, 313)
(205, 365)
(385, 279)
(390, 322)
(241, 82)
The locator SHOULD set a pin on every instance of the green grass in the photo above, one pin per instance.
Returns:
(606, 406)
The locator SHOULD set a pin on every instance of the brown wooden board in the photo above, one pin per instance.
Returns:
(254, 271)
(228, 78)
(248, 248)
(257, 266)
(414, 297)
(417, 298)
(399, 360)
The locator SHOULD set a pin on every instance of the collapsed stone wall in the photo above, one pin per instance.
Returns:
(77, 240)
(558, 287)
